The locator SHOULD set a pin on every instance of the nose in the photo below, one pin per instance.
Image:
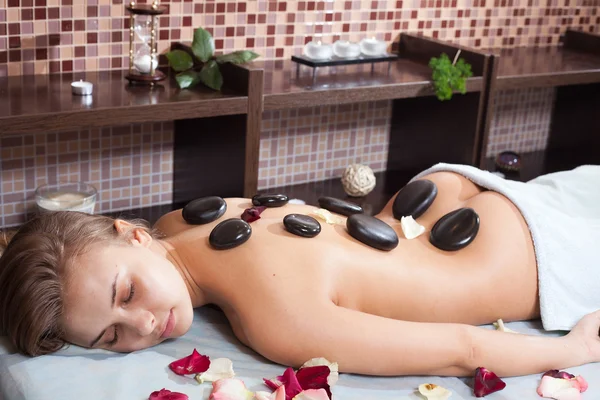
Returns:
(144, 322)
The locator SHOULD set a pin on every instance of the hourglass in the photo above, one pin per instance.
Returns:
(143, 58)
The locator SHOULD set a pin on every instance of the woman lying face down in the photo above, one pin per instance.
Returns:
(102, 283)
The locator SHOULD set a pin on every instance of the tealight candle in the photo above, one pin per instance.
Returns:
(373, 47)
(142, 63)
(346, 49)
(82, 88)
(67, 196)
(318, 50)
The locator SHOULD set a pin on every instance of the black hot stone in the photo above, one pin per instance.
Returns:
(372, 231)
(204, 210)
(270, 200)
(229, 234)
(302, 225)
(339, 206)
(455, 230)
(414, 199)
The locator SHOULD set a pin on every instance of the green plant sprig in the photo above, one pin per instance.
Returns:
(203, 66)
(448, 76)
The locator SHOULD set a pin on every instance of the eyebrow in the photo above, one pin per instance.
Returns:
(112, 304)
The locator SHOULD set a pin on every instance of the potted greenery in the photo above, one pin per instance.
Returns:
(202, 66)
(449, 77)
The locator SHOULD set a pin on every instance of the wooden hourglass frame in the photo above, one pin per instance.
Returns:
(143, 73)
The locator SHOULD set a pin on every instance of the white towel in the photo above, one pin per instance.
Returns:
(562, 211)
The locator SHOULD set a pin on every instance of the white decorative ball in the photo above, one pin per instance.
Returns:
(358, 180)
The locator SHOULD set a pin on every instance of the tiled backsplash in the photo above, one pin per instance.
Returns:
(48, 36)
(131, 166)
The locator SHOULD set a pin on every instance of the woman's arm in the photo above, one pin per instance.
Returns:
(368, 344)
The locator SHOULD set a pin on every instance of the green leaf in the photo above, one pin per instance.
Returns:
(179, 60)
(448, 78)
(187, 79)
(237, 57)
(203, 45)
(211, 76)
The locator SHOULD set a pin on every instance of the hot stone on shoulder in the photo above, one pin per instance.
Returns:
(372, 231)
(455, 230)
(270, 200)
(414, 199)
(204, 210)
(302, 225)
(339, 206)
(229, 234)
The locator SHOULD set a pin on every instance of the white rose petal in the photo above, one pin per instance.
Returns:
(230, 389)
(220, 368)
(312, 394)
(499, 325)
(434, 392)
(328, 217)
(559, 389)
(333, 368)
(279, 394)
(411, 228)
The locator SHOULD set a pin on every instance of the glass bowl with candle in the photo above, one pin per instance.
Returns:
(66, 196)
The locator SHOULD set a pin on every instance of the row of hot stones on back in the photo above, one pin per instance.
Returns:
(452, 232)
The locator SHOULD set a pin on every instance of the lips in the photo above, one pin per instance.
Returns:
(169, 326)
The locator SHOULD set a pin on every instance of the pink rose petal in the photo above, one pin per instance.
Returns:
(576, 381)
(164, 394)
(314, 378)
(559, 389)
(252, 214)
(313, 394)
(487, 382)
(195, 363)
(230, 389)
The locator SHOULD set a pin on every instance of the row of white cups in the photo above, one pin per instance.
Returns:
(320, 51)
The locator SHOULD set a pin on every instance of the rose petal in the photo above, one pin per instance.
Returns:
(434, 392)
(195, 363)
(164, 394)
(312, 394)
(554, 373)
(487, 382)
(314, 378)
(559, 389)
(411, 228)
(252, 214)
(333, 368)
(499, 325)
(279, 394)
(230, 389)
(328, 217)
(292, 386)
(220, 368)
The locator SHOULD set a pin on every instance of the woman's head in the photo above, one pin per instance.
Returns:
(89, 280)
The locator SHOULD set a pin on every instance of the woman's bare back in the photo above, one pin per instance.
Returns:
(494, 277)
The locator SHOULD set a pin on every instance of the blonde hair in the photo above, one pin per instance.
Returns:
(33, 266)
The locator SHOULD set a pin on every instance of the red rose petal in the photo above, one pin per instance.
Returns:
(314, 378)
(554, 373)
(252, 214)
(486, 382)
(292, 386)
(164, 394)
(195, 363)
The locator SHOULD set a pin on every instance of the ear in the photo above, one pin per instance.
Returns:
(135, 236)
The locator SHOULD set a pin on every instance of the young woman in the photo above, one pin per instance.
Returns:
(102, 283)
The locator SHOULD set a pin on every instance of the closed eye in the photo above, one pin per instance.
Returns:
(131, 293)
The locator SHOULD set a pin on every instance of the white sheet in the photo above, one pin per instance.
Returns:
(76, 373)
(562, 211)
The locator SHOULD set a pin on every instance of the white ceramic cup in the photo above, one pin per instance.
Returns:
(373, 47)
(346, 49)
(82, 88)
(318, 50)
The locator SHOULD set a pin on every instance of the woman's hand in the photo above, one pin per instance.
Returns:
(586, 337)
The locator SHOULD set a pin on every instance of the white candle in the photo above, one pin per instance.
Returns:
(318, 50)
(373, 47)
(346, 49)
(67, 201)
(82, 88)
(142, 63)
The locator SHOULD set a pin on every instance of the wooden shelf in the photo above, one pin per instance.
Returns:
(45, 102)
(575, 62)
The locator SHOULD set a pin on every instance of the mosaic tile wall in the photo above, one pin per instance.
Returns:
(42, 36)
(521, 120)
(318, 143)
(131, 166)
